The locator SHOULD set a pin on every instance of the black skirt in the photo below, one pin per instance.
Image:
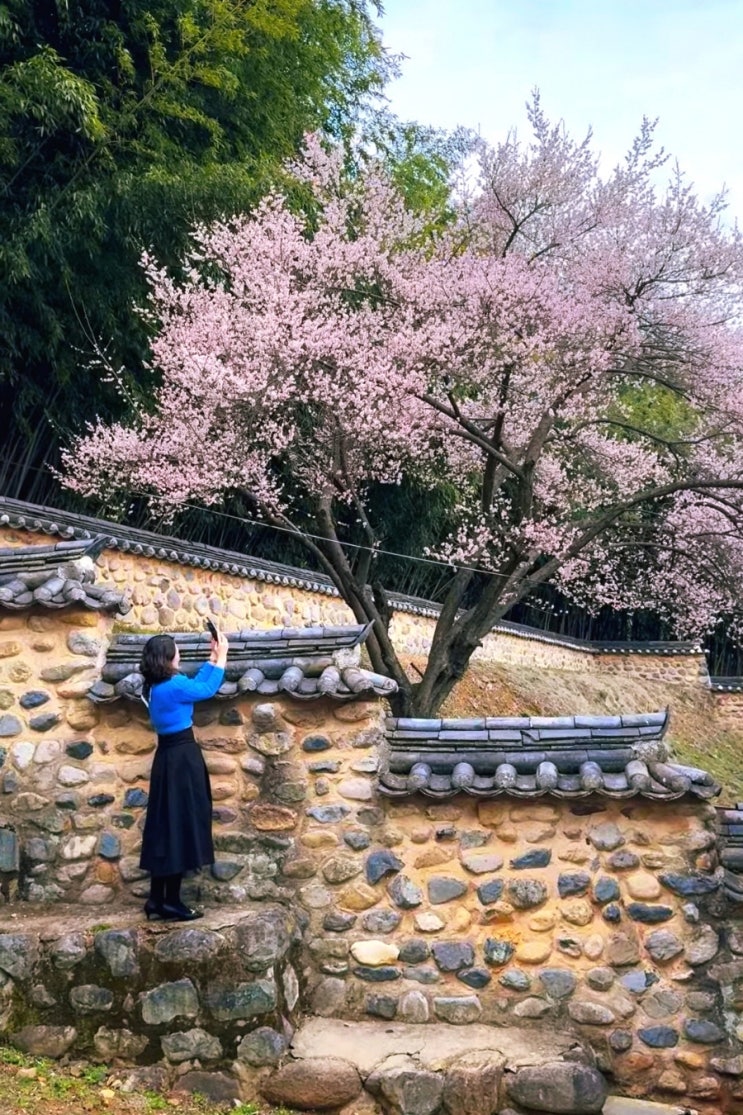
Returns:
(177, 833)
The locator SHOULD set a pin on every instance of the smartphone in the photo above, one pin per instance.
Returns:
(212, 629)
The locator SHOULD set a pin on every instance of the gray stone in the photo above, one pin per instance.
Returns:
(490, 892)
(450, 956)
(33, 698)
(612, 913)
(381, 1006)
(324, 766)
(264, 937)
(422, 974)
(265, 718)
(413, 1007)
(82, 749)
(658, 1037)
(515, 980)
(638, 982)
(605, 837)
(68, 951)
(241, 1000)
(337, 922)
(649, 914)
(702, 946)
(573, 882)
(313, 1083)
(620, 1040)
(481, 863)
(383, 974)
(561, 1088)
(329, 997)
(381, 921)
(9, 851)
(404, 893)
(217, 1087)
(414, 951)
(40, 997)
(10, 726)
(690, 885)
(458, 1010)
(532, 1007)
(690, 912)
(340, 868)
(328, 814)
(44, 721)
(497, 952)
(225, 869)
(538, 857)
(702, 1031)
(169, 1001)
(404, 1088)
(379, 864)
(606, 890)
(662, 1003)
(600, 979)
(45, 1041)
(17, 952)
(663, 945)
(118, 947)
(525, 894)
(40, 849)
(79, 642)
(188, 946)
(443, 888)
(590, 1014)
(559, 983)
(476, 978)
(187, 1045)
(623, 861)
(88, 998)
(123, 1044)
(262, 1047)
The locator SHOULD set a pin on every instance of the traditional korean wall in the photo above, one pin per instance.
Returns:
(167, 595)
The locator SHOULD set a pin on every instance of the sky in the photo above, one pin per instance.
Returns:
(602, 64)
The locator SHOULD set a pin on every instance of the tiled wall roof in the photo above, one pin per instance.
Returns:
(303, 663)
(56, 576)
(528, 757)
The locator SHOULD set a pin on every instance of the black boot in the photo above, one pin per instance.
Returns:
(176, 911)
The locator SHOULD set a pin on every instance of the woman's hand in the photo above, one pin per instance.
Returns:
(220, 646)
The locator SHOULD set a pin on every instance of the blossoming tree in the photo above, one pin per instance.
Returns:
(566, 356)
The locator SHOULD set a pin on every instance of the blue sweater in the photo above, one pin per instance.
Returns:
(172, 701)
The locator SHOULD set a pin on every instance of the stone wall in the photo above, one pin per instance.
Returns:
(169, 595)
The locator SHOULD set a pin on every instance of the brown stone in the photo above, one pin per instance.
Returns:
(704, 1088)
(357, 896)
(355, 711)
(313, 1084)
(491, 813)
(622, 950)
(137, 743)
(231, 745)
(9, 649)
(433, 857)
(673, 1082)
(577, 912)
(472, 1084)
(421, 835)
(632, 1063)
(534, 952)
(341, 868)
(82, 715)
(272, 818)
(319, 838)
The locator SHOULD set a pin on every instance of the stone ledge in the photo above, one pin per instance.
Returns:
(125, 988)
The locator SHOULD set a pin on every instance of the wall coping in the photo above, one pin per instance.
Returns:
(117, 536)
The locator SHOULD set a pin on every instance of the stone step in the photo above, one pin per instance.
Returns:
(366, 1044)
(619, 1105)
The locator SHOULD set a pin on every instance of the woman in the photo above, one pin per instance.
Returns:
(177, 833)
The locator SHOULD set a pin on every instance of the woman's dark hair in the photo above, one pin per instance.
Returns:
(157, 661)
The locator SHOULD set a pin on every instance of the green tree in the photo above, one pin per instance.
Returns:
(122, 124)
